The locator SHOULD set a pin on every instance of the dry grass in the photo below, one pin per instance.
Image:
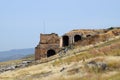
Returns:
(10, 62)
(73, 71)
(114, 77)
(74, 63)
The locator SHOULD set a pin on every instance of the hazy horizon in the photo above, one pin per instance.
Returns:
(22, 21)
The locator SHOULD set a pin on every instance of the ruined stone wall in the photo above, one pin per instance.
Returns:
(47, 42)
(75, 37)
(54, 42)
(49, 39)
(80, 33)
(99, 37)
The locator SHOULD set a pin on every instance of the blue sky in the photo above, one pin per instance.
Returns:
(22, 21)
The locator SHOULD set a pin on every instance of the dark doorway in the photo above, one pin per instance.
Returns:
(77, 38)
(50, 53)
(65, 41)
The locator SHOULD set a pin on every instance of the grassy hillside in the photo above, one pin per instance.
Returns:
(80, 63)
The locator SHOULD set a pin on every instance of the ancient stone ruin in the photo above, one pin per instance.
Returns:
(51, 44)
(48, 46)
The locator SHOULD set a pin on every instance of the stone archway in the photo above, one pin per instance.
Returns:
(77, 38)
(65, 41)
(51, 52)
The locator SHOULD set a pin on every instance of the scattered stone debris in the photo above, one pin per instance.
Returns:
(102, 65)
(13, 66)
(98, 65)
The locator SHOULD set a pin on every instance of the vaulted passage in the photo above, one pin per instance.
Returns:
(65, 41)
(77, 38)
(50, 53)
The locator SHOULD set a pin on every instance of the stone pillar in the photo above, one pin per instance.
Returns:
(73, 41)
(61, 42)
(70, 40)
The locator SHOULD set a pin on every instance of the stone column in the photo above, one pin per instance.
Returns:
(61, 42)
(70, 40)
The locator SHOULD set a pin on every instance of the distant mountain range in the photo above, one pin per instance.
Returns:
(15, 54)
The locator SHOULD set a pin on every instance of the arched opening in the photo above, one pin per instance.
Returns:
(65, 41)
(50, 53)
(77, 38)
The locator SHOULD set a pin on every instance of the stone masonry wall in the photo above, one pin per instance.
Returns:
(47, 42)
(75, 37)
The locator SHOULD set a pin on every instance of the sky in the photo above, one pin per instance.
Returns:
(22, 21)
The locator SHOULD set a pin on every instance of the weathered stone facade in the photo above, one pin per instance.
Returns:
(50, 44)
(77, 35)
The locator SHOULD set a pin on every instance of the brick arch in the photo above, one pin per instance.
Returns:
(50, 52)
(77, 38)
(65, 40)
